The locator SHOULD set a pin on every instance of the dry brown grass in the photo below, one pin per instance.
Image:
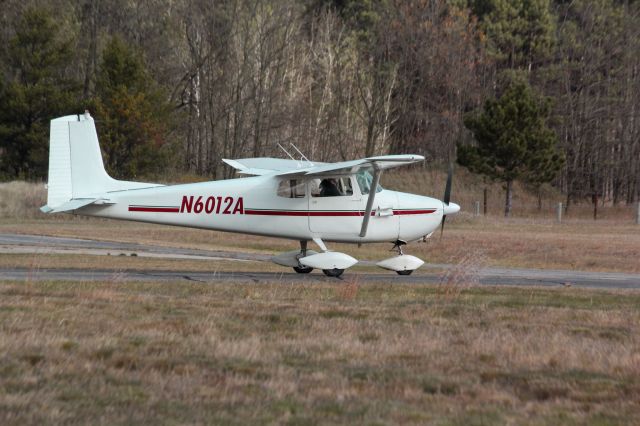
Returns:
(114, 353)
(22, 200)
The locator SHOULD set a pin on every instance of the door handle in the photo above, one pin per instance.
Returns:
(384, 211)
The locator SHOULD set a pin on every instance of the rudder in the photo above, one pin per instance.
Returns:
(59, 185)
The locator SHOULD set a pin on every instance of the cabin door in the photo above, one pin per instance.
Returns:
(335, 207)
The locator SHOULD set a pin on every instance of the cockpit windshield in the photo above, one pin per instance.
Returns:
(365, 180)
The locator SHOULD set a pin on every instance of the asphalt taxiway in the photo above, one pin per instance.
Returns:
(36, 244)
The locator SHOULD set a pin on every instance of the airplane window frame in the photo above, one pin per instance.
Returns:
(342, 178)
(292, 185)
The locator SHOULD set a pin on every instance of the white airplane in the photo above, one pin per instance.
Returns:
(297, 200)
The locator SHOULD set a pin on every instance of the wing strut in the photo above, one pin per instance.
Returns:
(372, 196)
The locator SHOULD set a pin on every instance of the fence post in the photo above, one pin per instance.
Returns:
(638, 214)
(477, 212)
(559, 212)
(484, 194)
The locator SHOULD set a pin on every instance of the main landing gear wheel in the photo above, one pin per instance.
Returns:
(405, 272)
(303, 269)
(335, 273)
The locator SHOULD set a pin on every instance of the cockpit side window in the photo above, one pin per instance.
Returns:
(365, 180)
(292, 188)
(331, 187)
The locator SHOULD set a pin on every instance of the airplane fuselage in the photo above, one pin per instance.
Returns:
(252, 205)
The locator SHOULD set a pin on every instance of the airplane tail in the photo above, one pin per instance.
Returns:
(76, 172)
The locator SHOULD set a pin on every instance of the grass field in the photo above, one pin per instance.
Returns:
(282, 353)
(113, 353)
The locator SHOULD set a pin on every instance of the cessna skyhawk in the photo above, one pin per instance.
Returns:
(285, 198)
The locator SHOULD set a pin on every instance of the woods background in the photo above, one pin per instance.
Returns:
(176, 85)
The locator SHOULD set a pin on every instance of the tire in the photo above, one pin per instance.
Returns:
(334, 273)
(405, 272)
(303, 269)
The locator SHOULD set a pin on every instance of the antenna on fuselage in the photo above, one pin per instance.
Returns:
(301, 154)
(287, 152)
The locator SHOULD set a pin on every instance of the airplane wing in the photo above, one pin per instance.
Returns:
(371, 163)
(282, 167)
(268, 166)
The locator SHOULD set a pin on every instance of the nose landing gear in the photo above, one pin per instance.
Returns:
(402, 264)
(398, 246)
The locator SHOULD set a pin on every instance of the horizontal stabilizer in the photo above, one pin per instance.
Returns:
(73, 204)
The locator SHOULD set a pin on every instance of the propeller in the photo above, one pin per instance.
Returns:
(447, 196)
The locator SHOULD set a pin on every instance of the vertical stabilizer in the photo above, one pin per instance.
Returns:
(76, 170)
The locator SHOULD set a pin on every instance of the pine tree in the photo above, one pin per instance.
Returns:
(520, 32)
(36, 91)
(132, 114)
(513, 139)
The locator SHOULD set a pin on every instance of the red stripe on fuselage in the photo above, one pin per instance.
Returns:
(329, 213)
(301, 213)
(275, 212)
(154, 209)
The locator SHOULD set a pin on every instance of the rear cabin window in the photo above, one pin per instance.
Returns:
(291, 189)
(331, 187)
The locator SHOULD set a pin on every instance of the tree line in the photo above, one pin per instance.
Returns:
(176, 85)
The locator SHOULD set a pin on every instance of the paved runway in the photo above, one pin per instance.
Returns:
(16, 243)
